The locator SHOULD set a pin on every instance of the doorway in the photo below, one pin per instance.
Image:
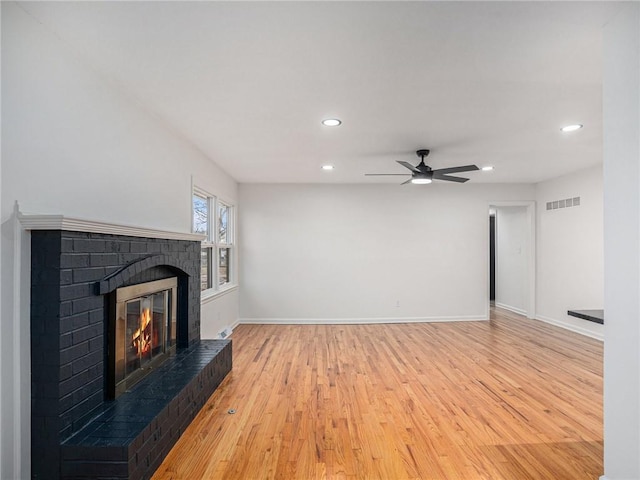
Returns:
(511, 257)
(492, 257)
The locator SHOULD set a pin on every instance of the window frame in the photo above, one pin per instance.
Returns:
(226, 245)
(213, 245)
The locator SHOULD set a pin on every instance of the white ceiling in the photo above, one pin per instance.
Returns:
(248, 83)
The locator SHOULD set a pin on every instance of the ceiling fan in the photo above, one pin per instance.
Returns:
(422, 173)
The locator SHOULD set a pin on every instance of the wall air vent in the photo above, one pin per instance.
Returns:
(567, 202)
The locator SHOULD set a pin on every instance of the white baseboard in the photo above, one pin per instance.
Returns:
(573, 328)
(346, 321)
(517, 310)
(603, 477)
(375, 320)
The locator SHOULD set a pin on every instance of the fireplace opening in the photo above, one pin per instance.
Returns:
(143, 331)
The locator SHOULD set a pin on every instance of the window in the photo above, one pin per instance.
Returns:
(224, 243)
(214, 219)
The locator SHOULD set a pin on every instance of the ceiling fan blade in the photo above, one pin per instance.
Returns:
(464, 168)
(449, 178)
(386, 174)
(408, 165)
(408, 181)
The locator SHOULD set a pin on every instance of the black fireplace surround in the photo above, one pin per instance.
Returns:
(78, 430)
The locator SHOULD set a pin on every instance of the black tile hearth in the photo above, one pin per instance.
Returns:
(134, 433)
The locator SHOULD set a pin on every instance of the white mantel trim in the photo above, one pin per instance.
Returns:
(60, 222)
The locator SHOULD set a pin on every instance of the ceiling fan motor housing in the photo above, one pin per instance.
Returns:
(424, 169)
(423, 174)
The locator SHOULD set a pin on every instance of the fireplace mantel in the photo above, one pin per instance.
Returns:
(70, 224)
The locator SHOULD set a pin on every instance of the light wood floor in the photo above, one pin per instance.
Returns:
(508, 399)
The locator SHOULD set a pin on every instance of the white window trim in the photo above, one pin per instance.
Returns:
(212, 241)
(211, 294)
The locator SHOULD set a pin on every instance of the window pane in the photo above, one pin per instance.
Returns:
(205, 280)
(200, 215)
(223, 265)
(223, 223)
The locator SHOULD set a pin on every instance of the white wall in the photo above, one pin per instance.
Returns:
(366, 253)
(512, 258)
(2, 456)
(219, 313)
(621, 100)
(570, 260)
(75, 144)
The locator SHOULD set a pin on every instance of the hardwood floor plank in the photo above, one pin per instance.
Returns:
(510, 399)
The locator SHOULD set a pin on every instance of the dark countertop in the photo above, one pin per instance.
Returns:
(596, 316)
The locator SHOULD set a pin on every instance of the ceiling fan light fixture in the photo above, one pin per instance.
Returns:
(571, 128)
(331, 122)
(488, 168)
(420, 180)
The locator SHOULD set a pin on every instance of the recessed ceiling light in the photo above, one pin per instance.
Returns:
(331, 122)
(328, 167)
(571, 128)
(488, 168)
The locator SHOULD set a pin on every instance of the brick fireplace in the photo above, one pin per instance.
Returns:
(88, 422)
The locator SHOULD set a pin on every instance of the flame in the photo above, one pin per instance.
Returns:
(142, 337)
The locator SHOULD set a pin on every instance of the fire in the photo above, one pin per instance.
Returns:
(142, 337)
